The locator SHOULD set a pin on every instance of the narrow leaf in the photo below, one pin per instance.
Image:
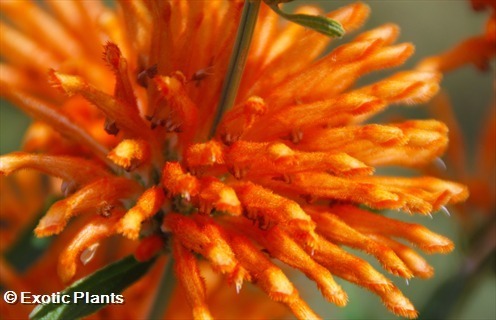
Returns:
(110, 281)
(321, 24)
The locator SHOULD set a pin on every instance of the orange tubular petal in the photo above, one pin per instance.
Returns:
(123, 89)
(161, 36)
(22, 79)
(352, 16)
(77, 17)
(279, 70)
(78, 170)
(101, 194)
(414, 261)
(421, 195)
(269, 277)
(408, 143)
(339, 164)
(177, 182)
(475, 50)
(406, 155)
(387, 34)
(334, 229)
(435, 192)
(237, 121)
(349, 267)
(408, 87)
(264, 158)
(322, 185)
(188, 274)
(131, 154)
(282, 246)
(216, 195)
(138, 22)
(345, 56)
(278, 160)
(54, 117)
(269, 209)
(203, 236)
(396, 302)
(352, 107)
(374, 57)
(331, 112)
(281, 59)
(111, 22)
(358, 271)
(218, 46)
(201, 155)
(282, 46)
(378, 136)
(367, 222)
(18, 50)
(87, 238)
(182, 112)
(125, 116)
(41, 26)
(148, 204)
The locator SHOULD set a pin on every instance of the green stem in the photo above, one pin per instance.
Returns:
(238, 60)
(164, 291)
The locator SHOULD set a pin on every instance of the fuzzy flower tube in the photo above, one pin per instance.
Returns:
(287, 175)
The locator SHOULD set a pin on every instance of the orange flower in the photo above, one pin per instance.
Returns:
(288, 175)
(481, 180)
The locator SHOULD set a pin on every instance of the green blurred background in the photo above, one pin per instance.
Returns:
(433, 26)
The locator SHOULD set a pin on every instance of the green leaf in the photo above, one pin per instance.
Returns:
(321, 24)
(110, 281)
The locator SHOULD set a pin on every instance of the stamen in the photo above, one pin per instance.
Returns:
(440, 164)
(445, 210)
(89, 253)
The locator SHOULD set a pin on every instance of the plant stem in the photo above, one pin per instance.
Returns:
(238, 60)
(164, 291)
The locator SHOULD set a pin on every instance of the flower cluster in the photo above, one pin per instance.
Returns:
(288, 175)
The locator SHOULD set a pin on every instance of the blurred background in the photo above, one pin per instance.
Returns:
(433, 26)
